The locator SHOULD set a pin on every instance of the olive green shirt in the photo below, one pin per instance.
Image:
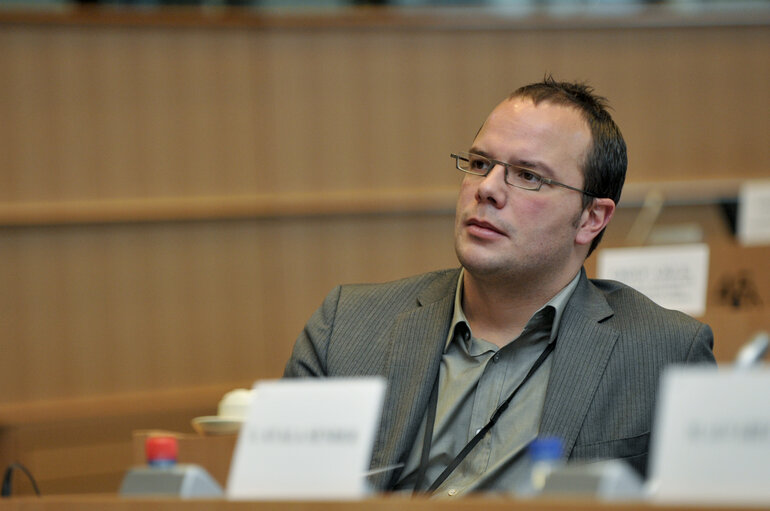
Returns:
(475, 377)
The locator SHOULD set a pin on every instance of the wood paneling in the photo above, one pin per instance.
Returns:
(110, 308)
(100, 112)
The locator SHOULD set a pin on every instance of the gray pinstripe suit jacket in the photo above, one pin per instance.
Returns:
(613, 343)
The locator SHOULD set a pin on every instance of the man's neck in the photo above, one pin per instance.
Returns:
(499, 309)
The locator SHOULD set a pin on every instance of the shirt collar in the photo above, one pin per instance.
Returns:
(558, 303)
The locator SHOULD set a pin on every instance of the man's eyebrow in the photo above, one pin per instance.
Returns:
(539, 167)
(534, 165)
(480, 152)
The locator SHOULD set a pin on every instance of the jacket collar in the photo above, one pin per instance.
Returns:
(582, 352)
(416, 346)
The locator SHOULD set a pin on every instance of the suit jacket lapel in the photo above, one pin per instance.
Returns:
(416, 345)
(582, 351)
(417, 342)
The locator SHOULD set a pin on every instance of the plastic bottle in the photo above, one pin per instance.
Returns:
(163, 476)
(161, 451)
(545, 455)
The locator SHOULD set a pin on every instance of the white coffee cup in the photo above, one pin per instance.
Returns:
(235, 404)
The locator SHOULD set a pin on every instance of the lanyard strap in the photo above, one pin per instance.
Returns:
(431, 418)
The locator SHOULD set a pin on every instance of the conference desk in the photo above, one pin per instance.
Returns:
(114, 503)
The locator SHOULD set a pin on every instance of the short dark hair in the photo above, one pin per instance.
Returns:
(604, 170)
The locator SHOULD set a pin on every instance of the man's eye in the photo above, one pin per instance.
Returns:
(527, 176)
(477, 164)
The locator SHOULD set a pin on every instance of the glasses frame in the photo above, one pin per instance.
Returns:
(540, 179)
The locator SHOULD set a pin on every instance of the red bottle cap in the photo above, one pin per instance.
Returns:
(161, 449)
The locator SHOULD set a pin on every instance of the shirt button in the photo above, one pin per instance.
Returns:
(496, 358)
(452, 492)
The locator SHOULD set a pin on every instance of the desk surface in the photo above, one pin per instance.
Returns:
(114, 503)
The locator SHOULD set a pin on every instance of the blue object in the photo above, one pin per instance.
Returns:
(546, 448)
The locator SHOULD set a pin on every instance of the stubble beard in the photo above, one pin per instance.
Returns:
(493, 268)
(510, 268)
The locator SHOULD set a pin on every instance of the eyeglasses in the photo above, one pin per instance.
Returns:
(520, 177)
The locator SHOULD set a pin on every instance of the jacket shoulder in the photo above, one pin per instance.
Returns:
(401, 293)
(625, 300)
(637, 317)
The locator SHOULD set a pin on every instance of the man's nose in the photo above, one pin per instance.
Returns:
(493, 186)
(498, 173)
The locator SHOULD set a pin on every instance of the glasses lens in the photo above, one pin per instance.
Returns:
(523, 178)
(473, 163)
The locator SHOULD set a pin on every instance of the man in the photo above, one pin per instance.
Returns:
(519, 322)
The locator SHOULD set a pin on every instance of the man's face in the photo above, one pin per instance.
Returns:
(505, 231)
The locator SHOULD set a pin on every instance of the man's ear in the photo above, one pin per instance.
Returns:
(593, 219)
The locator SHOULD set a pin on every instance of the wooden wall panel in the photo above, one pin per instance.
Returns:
(98, 309)
(104, 112)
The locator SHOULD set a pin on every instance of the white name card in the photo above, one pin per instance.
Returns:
(307, 439)
(711, 439)
(753, 222)
(673, 276)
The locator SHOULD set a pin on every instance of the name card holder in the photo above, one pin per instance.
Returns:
(711, 440)
(307, 439)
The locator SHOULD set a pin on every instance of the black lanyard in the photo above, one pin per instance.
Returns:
(431, 418)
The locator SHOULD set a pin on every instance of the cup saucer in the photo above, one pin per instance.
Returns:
(216, 425)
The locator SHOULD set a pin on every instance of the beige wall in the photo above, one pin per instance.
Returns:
(147, 111)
